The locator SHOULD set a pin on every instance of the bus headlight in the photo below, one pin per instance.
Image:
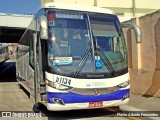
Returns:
(57, 86)
(124, 84)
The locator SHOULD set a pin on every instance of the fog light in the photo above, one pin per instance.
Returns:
(58, 101)
(125, 97)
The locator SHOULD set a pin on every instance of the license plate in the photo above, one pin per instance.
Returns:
(95, 104)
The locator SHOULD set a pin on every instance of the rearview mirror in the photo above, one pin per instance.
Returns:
(136, 30)
(43, 28)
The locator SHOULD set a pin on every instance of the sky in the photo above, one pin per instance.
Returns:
(19, 6)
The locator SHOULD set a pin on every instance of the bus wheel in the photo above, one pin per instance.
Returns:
(37, 107)
(20, 86)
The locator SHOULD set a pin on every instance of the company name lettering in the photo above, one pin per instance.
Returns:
(96, 84)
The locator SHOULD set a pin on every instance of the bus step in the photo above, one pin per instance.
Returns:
(43, 84)
(43, 92)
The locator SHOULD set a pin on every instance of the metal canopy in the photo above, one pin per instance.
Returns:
(12, 27)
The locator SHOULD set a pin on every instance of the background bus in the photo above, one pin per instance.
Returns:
(72, 57)
(4, 53)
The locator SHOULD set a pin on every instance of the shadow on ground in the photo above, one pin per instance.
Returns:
(75, 114)
(8, 72)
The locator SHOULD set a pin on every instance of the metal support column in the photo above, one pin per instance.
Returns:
(133, 7)
(95, 2)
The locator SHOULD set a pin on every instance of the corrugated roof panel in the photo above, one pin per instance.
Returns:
(15, 20)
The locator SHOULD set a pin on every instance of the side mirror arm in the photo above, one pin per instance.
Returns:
(136, 30)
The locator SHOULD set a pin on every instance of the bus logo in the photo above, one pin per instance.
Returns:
(97, 92)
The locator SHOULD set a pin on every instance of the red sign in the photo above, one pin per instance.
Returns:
(95, 104)
(51, 17)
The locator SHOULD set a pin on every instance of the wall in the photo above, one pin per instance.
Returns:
(121, 7)
(144, 57)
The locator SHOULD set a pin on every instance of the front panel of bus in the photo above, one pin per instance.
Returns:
(86, 61)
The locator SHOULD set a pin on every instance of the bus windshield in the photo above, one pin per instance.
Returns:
(71, 39)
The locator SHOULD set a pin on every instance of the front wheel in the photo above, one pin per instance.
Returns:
(36, 107)
(20, 86)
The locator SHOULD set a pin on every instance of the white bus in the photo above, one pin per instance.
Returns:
(74, 57)
(4, 53)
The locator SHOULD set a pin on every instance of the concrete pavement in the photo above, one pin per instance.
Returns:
(143, 107)
(11, 98)
(142, 103)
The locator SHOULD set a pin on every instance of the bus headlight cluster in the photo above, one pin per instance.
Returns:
(57, 86)
(124, 84)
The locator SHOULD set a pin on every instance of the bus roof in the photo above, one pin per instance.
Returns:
(77, 7)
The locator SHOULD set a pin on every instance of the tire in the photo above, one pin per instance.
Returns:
(20, 86)
(36, 107)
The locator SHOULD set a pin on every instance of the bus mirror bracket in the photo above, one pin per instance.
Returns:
(136, 30)
(43, 28)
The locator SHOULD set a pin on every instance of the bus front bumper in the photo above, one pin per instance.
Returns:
(79, 106)
(72, 101)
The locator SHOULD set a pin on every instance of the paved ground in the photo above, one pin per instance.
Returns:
(10, 95)
(142, 103)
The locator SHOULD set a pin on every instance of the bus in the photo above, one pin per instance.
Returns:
(4, 53)
(74, 57)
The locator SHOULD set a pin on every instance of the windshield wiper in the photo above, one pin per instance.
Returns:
(105, 60)
(82, 62)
